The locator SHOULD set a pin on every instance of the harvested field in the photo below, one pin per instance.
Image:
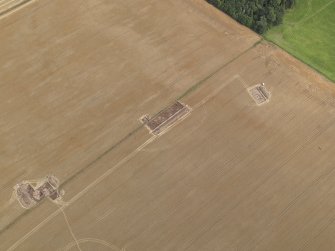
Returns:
(75, 78)
(7, 6)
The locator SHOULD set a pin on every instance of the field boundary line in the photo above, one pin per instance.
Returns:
(125, 159)
(82, 192)
(202, 81)
(92, 184)
(301, 60)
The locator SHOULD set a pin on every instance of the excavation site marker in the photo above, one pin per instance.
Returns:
(165, 118)
(30, 193)
(259, 94)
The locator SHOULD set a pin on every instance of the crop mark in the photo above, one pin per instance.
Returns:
(315, 13)
(9, 6)
(70, 228)
(128, 157)
(93, 240)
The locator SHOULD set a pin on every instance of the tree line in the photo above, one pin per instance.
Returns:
(259, 15)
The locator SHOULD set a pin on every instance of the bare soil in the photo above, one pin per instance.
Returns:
(77, 75)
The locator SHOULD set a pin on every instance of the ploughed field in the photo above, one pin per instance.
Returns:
(230, 173)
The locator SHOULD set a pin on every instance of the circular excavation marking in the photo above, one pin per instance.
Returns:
(101, 245)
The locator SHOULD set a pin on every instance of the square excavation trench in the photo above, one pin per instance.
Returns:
(165, 118)
(259, 94)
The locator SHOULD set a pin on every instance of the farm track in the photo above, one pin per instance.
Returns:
(231, 175)
(7, 6)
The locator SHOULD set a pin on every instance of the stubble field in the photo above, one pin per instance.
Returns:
(232, 175)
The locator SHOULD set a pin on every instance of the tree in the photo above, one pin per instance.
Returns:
(261, 26)
(258, 15)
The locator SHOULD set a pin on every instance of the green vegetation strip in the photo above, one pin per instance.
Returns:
(308, 33)
(202, 81)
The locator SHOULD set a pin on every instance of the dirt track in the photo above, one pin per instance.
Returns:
(75, 79)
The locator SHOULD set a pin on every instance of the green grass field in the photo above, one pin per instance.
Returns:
(308, 33)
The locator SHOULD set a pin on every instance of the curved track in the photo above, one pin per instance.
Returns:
(7, 6)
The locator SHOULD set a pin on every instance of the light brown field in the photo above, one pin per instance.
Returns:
(76, 76)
